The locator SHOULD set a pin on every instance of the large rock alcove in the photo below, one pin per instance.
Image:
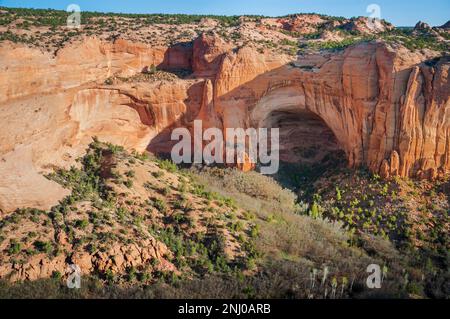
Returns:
(304, 137)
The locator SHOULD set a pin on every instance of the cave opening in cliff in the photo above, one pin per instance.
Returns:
(308, 149)
(305, 139)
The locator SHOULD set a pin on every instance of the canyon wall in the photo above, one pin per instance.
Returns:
(386, 106)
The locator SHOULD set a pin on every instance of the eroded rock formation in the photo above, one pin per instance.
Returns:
(313, 23)
(385, 107)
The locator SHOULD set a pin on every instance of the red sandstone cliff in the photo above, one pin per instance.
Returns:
(386, 106)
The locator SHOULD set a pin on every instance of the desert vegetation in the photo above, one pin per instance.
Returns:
(233, 234)
(47, 29)
(201, 232)
(222, 228)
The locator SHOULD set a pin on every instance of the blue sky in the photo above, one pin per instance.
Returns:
(399, 12)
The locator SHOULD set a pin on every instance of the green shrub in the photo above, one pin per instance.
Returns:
(158, 174)
(339, 45)
(56, 275)
(14, 247)
(43, 247)
(130, 174)
(165, 191)
(82, 223)
(254, 231)
(168, 166)
(160, 205)
(128, 183)
(315, 211)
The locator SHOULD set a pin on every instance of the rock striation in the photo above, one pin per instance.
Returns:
(385, 107)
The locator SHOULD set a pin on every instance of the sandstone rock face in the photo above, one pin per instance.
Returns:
(367, 25)
(117, 260)
(39, 266)
(311, 23)
(305, 23)
(121, 257)
(207, 55)
(423, 26)
(385, 107)
(52, 106)
(362, 96)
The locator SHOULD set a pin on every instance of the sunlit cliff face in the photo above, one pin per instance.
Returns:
(384, 106)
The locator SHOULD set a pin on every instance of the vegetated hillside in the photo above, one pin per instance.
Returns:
(141, 227)
(126, 217)
(404, 223)
(304, 33)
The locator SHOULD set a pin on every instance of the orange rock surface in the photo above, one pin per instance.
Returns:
(388, 108)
